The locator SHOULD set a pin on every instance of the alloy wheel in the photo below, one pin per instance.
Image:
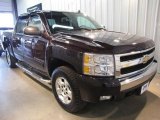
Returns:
(63, 90)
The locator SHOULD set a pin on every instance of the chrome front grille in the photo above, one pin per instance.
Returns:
(131, 63)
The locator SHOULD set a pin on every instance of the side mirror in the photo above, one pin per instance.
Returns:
(29, 30)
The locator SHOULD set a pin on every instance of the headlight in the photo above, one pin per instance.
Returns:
(98, 65)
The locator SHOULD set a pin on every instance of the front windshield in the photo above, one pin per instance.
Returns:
(60, 21)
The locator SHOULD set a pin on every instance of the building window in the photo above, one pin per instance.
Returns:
(6, 20)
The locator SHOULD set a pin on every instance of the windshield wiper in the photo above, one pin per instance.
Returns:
(82, 29)
(100, 28)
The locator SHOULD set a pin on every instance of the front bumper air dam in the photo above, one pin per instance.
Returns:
(92, 88)
(142, 78)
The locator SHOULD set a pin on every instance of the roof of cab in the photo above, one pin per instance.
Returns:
(44, 11)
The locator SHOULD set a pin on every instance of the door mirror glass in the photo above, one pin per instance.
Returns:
(30, 30)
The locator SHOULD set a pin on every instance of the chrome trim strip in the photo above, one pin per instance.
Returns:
(132, 82)
(135, 61)
(136, 52)
(35, 76)
(119, 65)
(132, 73)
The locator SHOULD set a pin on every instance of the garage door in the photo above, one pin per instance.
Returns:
(6, 14)
(5, 5)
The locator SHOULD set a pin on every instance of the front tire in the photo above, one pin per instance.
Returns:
(10, 59)
(66, 90)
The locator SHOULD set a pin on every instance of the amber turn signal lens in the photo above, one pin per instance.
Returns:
(86, 59)
(86, 69)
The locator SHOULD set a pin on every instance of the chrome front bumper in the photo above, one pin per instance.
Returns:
(134, 81)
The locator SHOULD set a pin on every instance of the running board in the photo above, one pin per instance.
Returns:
(35, 76)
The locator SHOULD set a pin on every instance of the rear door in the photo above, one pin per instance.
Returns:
(18, 37)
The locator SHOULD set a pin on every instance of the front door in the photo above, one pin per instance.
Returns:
(35, 46)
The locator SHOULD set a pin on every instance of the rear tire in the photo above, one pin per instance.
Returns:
(64, 83)
(10, 59)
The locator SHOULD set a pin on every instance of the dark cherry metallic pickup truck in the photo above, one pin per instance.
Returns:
(79, 59)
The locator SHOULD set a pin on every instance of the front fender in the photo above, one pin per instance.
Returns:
(67, 54)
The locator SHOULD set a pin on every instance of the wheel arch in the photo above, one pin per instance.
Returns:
(54, 63)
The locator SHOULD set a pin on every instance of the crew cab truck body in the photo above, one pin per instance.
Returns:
(81, 61)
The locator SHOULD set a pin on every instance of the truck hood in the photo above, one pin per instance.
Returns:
(116, 42)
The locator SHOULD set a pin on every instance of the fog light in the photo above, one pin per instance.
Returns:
(105, 97)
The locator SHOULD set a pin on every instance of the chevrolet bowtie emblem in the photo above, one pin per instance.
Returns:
(145, 59)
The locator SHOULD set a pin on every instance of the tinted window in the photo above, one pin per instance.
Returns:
(70, 21)
(35, 21)
(59, 19)
(51, 22)
(84, 23)
(21, 24)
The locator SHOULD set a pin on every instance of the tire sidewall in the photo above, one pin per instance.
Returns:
(8, 53)
(12, 63)
(55, 75)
